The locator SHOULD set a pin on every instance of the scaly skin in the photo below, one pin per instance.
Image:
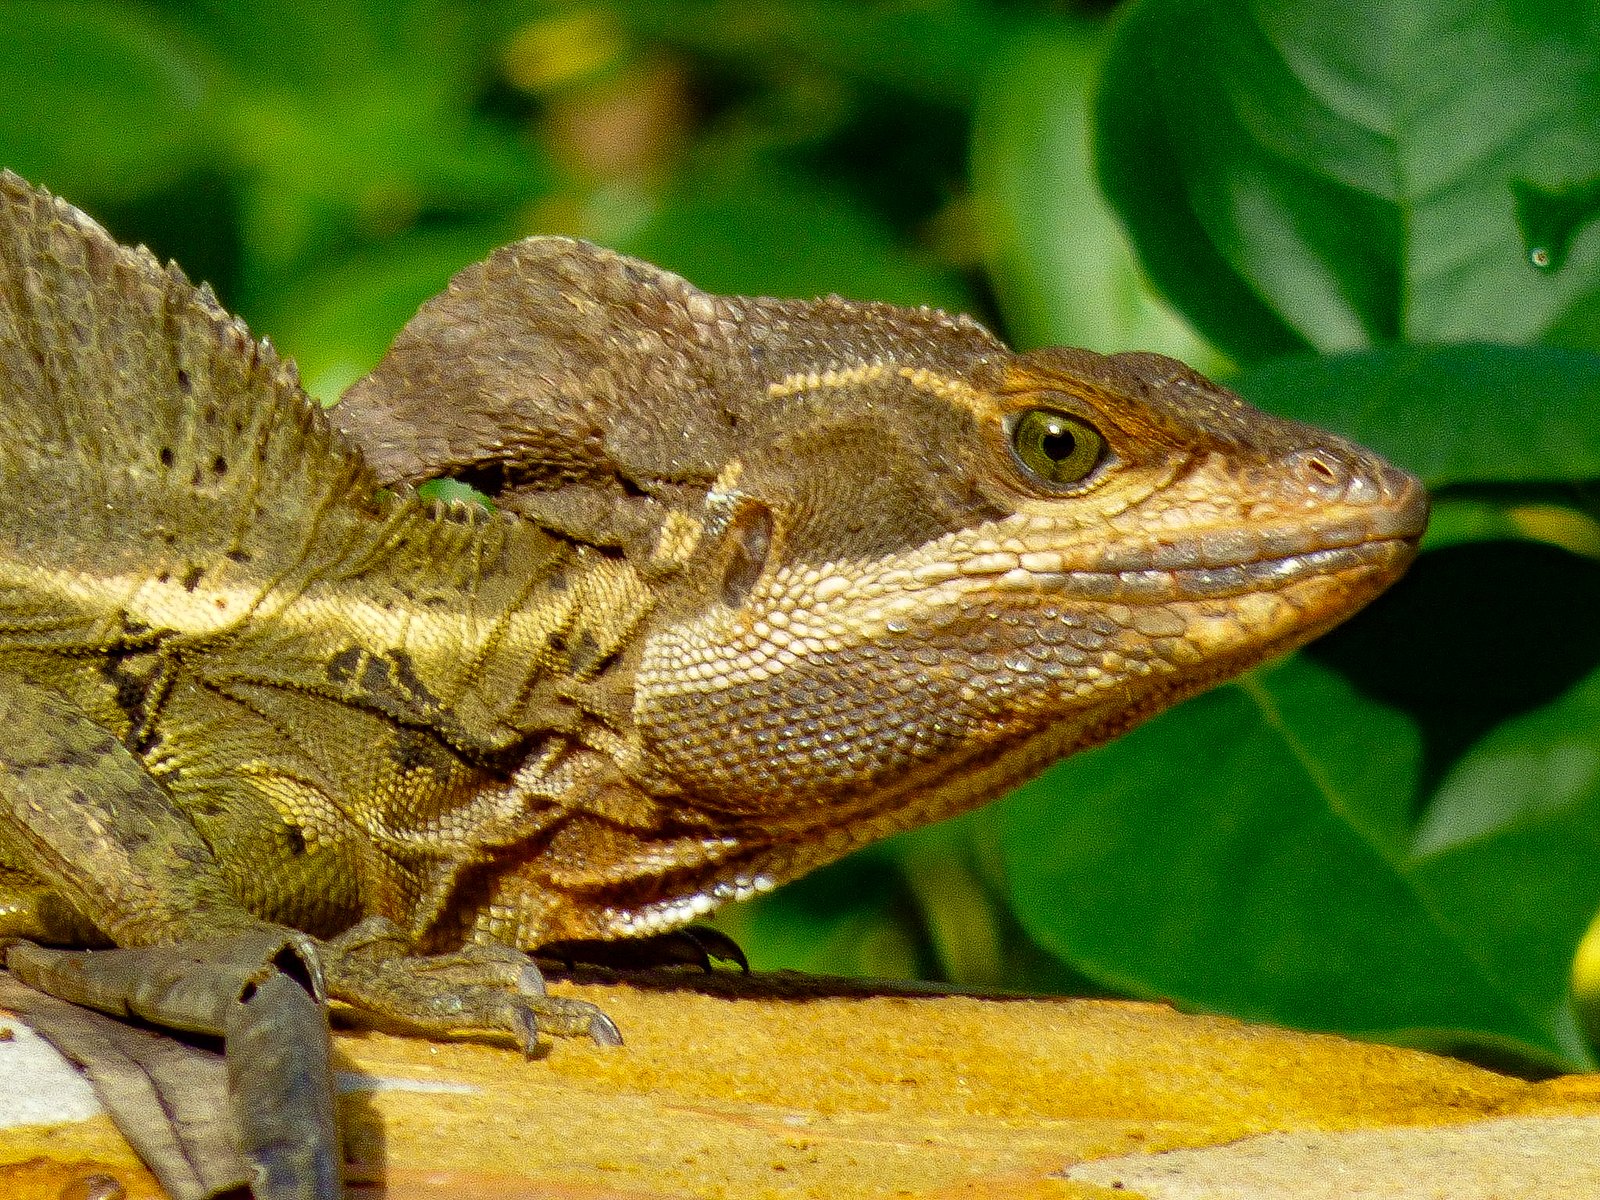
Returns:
(770, 580)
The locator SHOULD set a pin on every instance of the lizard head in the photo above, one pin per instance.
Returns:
(894, 568)
(919, 585)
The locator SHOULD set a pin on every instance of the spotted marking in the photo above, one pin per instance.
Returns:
(388, 680)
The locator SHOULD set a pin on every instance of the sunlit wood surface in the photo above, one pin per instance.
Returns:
(775, 1088)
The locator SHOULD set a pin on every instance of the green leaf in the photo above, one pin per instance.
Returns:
(1300, 175)
(1475, 638)
(958, 911)
(1247, 853)
(1492, 651)
(98, 100)
(1451, 414)
(350, 120)
(1061, 266)
(1511, 841)
(320, 182)
(453, 491)
(1542, 769)
(430, 52)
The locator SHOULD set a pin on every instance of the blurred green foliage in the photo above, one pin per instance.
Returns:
(1395, 833)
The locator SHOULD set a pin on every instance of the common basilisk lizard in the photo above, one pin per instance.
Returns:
(766, 580)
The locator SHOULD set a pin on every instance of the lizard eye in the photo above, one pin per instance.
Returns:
(1056, 449)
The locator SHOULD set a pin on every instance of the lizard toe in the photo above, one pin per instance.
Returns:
(479, 989)
(491, 965)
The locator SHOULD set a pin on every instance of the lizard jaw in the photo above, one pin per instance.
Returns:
(765, 853)
(816, 719)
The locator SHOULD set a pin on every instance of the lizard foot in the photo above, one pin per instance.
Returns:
(691, 946)
(261, 991)
(477, 989)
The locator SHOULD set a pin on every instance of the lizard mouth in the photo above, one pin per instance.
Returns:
(1215, 582)
(1376, 540)
(1367, 567)
(1216, 564)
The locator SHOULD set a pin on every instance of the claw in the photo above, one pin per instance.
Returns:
(603, 1030)
(525, 1029)
(691, 946)
(561, 1017)
(717, 944)
(481, 988)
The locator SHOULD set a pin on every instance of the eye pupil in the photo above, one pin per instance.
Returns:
(1055, 448)
(1058, 444)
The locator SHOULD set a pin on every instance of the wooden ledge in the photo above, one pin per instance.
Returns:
(777, 1087)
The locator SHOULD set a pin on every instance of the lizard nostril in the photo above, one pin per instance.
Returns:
(1320, 473)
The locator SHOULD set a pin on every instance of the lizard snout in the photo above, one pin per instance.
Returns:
(1395, 500)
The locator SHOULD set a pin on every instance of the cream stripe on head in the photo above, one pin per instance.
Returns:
(834, 377)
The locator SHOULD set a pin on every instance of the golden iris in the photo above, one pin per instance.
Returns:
(1056, 448)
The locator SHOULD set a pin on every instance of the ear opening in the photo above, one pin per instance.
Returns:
(749, 541)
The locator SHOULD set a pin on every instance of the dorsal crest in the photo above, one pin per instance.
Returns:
(595, 392)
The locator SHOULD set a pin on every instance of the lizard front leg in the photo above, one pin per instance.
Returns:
(103, 837)
(84, 818)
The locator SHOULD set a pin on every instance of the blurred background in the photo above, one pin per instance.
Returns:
(1339, 842)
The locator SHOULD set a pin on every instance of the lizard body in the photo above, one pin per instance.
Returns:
(769, 580)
